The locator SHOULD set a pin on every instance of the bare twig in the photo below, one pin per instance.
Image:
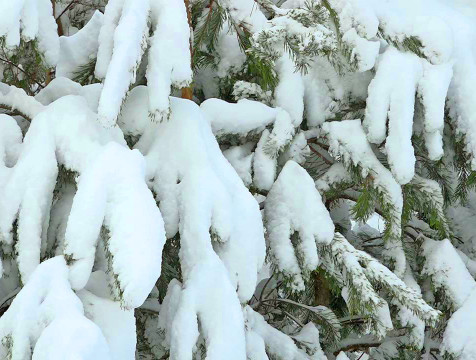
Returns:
(23, 71)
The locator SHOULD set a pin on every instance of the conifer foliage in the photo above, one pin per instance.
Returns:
(237, 179)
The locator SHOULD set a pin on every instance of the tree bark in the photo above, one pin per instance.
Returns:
(187, 92)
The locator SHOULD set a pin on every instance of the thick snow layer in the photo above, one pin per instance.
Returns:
(79, 49)
(26, 190)
(294, 205)
(241, 158)
(209, 298)
(222, 212)
(458, 338)
(221, 231)
(447, 270)
(17, 99)
(134, 116)
(290, 82)
(35, 20)
(392, 95)
(364, 53)
(230, 56)
(58, 87)
(240, 118)
(47, 309)
(112, 191)
(264, 164)
(61, 86)
(111, 188)
(169, 54)
(168, 309)
(446, 32)
(387, 95)
(432, 89)
(121, 45)
(118, 325)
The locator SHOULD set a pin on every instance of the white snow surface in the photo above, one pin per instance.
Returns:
(111, 188)
(458, 338)
(79, 49)
(392, 94)
(46, 309)
(118, 325)
(447, 270)
(294, 205)
(121, 45)
(240, 118)
(169, 61)
(199, 194)
(34, 20)
(347, 139)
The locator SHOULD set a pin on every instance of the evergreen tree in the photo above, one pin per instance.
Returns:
(237, 179)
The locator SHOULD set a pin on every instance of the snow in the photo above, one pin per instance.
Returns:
(347, 139)
(134, 116)
(342, 356)
(169, 61)
(392, 94)
(168, 310)
(79, 49)
(358, 279)
(335, 175)
(45, 309)
(111, 18)
(260, 334)
(241, 118)
(111, 187)
(26, 191)
(241, 158)
(58, 220)
(447, 270)
(17, 99)
(364, 53)
(128, 214)
(297, 150)
(208, 295)
(408, 318)
(58, 87)
(294, 205)
(34, 19)
(290, 82)
(121, 46)
(118, 325)
(264, 164)
(246, 11)
(230, 57)
(458, 338)
(223, 206)
(433, 88)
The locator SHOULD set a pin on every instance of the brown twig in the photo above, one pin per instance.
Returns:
(187, 92)
(23, 71)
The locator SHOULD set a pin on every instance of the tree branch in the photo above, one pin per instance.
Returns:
(23, 71)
